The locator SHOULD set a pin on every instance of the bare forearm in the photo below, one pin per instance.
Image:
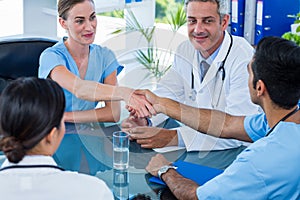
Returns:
(109, 113)
(92, 91)
(212, 122)
(198, 119)
(181, 187)
(89, 90)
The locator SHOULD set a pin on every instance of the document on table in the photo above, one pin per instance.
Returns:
(196, 141)
(168, 149)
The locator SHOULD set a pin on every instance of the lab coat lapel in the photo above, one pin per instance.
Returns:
(211, 73)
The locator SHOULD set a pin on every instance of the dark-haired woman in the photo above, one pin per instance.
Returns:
(31, 129)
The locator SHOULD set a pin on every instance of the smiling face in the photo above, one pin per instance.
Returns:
(81, 23)
(205, 26)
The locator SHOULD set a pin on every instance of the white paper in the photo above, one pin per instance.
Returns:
(196, 141)
(168, 149)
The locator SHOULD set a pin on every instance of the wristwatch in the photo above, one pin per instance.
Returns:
(164, 169)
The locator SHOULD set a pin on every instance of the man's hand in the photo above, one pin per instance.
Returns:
(154, 137)
(141, 106)
(151, 98)
(156, 163)
(132, 122)
(181, 187)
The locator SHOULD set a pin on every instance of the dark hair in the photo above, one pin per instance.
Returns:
(277, 63)
(222, 5)
(63, 7)
(29, 109)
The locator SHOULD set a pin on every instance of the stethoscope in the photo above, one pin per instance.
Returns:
(193, 92)
(282, 120)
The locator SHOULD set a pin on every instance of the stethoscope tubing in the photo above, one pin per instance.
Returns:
(221, 68)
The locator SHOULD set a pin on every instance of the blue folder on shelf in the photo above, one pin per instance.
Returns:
(272, 17)
(237, 17)
(198, 173)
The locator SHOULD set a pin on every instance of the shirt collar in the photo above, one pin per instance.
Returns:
(211, 58)
(32, 160)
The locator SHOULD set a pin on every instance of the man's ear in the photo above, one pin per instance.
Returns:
(225, 22)
(260, 87)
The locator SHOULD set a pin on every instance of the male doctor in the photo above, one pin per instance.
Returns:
(209, 71)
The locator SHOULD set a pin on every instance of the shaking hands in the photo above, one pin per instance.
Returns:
(143, 103)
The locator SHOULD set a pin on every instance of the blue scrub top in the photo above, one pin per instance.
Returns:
(102, 62)
(257, 126)
(267, 169)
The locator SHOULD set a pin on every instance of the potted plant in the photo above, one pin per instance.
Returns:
(156, 60)
(294, 34)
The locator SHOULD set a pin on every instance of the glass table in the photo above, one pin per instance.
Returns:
(87, 148)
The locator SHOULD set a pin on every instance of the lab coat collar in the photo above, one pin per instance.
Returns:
(32, 160)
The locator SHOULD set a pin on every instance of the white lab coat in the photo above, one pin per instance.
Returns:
(234, 97)
(49, 183)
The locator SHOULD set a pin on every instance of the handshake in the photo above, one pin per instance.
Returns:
(143, 103)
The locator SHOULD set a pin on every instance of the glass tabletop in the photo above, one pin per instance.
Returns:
(87, 148)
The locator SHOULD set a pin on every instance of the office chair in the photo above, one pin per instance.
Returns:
(19, 57)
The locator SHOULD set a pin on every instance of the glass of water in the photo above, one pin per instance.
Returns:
(121, 150)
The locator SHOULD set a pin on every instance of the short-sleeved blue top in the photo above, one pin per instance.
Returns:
(257, 126)
(102, 62)
(267, 169)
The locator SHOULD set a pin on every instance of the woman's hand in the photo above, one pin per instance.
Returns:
(140, 106)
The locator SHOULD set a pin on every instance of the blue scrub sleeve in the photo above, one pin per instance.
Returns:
(49, 60)
(114, 65)
(256, 126)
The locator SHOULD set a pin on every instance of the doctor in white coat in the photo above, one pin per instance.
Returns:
(223, 86)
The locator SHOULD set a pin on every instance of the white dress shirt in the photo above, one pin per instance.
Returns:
(48, 183)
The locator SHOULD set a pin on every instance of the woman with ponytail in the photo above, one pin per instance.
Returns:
(31, 129)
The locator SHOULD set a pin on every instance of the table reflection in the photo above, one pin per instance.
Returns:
(120, 184)
(87, 148)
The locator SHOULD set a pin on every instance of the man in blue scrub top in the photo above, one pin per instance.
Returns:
(268, 168)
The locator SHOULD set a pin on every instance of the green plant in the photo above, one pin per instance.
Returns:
(152, 58)
(292, 37)
(178, 18)
(296, 17)
(151, 62)
(295, 37)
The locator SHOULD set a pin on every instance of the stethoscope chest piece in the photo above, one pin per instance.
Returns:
(193, 94)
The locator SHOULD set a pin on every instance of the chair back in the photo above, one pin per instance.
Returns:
(19, 57)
